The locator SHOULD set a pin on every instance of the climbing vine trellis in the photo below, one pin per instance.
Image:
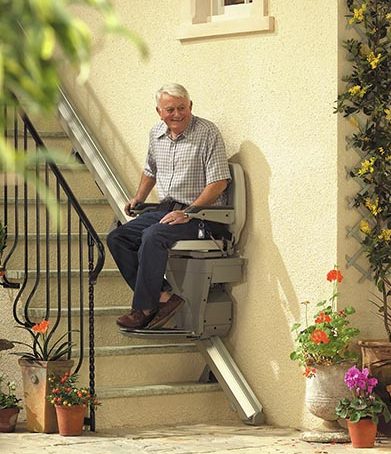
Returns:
(367, 101)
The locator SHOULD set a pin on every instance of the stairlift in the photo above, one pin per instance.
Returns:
(199, 271)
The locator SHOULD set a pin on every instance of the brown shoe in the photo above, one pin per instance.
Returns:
(166, 311)
(136, 319)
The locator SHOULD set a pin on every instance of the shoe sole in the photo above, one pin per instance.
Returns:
(164, 320)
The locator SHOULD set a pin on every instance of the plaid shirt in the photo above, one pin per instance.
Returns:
(184, 166)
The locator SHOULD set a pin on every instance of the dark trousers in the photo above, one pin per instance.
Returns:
(140, 249)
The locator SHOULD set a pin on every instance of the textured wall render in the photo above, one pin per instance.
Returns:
(272, 96)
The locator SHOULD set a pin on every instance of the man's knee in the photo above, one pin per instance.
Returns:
(112, 238)
(116, 236)
(156, 234)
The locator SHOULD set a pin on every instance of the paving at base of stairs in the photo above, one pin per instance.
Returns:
(194, 439)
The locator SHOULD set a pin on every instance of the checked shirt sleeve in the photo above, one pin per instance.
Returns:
(216, 164)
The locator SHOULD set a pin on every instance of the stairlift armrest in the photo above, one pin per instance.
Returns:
(141, 208)
(222, 214)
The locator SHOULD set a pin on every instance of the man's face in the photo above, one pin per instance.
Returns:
(175, 112)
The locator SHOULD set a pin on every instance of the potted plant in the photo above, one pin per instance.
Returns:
(363, 408)
(44, 358)
(322, 348)
(326, 341)
(9, 405)
(70, 402)
(367, 101)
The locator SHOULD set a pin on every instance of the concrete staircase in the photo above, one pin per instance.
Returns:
(139, 382)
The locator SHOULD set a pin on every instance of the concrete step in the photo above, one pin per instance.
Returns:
(56, 141)
(106, 333)
(17, 260)
(168, 364)
(18, 275)
(75, 174)
(154, 405)
(142, 349)
(109, 290)
(98, 211)
(56, 134)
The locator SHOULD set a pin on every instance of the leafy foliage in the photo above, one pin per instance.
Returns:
(65, 392)
(325, 341)
(36, 38)
(8, 398)
(41, 348)
(367, 101)
(364, 403)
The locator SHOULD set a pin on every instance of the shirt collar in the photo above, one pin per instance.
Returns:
(162, 129)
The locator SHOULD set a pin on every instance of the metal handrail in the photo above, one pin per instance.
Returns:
(86, 232)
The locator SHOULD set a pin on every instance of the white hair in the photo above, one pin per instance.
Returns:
(176, 90)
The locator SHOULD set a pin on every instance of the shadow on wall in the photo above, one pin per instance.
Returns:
(261, 338)
(97, 120)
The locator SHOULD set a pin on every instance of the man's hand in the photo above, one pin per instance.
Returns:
(129, 207)
(175, 217)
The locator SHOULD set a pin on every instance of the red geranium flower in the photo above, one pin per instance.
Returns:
(309, 372)
(41, 327)
(323, 318)
(334, 275)
(319, 337)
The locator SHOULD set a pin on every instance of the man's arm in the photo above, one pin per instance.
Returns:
(144, 188)
(209, 195)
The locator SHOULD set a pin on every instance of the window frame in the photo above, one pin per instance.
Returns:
(209, 18)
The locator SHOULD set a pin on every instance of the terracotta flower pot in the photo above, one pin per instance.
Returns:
(362, 433)
(70, 419)
(8, 418)
(41, 416)
(376, 356)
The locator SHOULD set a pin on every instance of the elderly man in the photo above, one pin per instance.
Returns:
(187, 162)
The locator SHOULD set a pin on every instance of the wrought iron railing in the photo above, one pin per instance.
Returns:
(50, 270)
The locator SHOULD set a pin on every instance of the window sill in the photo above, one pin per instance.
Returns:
(226, 27)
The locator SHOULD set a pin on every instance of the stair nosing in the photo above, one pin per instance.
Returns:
(19, 274)
(82, 201)
(99, 310)
(141, 349)
(156, 390)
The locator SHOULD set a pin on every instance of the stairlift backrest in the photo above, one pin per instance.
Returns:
(237, 199)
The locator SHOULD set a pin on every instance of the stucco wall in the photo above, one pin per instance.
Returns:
(272, 95)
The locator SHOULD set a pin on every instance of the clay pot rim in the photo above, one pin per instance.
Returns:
(11, 408)
(374, 343)
(69, 407)
(44, 364)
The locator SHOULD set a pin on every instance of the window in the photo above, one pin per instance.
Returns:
(207, 18)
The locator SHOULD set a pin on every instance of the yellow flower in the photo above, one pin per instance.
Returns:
(364, 227)
(381, 150)
(385, 235)
(358, 14)
(373, 206)
(374, 60)
(388, 114)
(388, 16)
(366, 167)
(356, 90)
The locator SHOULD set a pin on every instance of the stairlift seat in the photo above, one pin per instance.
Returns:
(234, 215)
